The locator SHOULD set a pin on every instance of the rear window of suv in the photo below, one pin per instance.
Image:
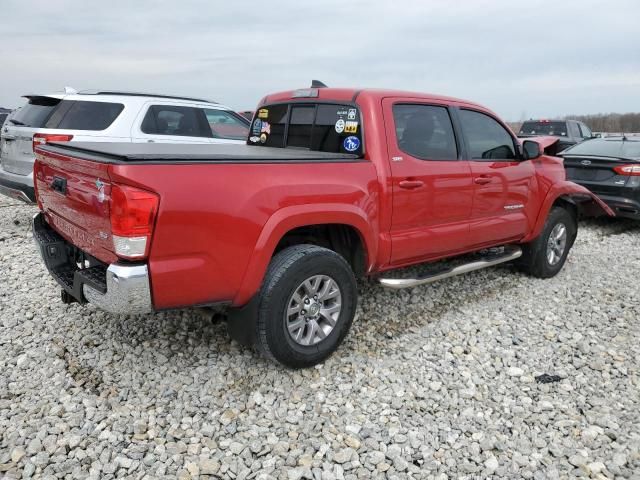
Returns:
(324, 127)
(84, 115)
(35, 113)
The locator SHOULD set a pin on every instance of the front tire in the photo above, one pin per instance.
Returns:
(545, 256)
(306, 305)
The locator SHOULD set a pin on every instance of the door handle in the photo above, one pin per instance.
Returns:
(482, 180)
(410, 184)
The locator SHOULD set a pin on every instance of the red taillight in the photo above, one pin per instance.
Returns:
(628, 170)
(133, 214)
(44, 138)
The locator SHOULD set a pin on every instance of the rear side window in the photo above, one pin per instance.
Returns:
(324, 127)
(425, 132)
(36, 113)
(226, 125)
(176, 121)
(574, 130)
(81, 115)
(487, 139)
(584, 130)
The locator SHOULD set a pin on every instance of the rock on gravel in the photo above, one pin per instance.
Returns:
(435, 382)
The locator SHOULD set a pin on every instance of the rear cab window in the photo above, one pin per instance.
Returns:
(544, 127)
(324, 127)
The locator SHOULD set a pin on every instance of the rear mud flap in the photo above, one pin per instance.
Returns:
(242, 323)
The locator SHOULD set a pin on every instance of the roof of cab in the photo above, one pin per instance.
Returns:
(351, 94)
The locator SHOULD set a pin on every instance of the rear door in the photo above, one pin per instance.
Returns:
(16, 152)
(503, 184)
(432, 187)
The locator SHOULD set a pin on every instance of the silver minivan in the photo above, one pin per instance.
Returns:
(107, 116)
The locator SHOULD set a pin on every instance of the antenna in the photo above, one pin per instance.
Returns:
(317, 84)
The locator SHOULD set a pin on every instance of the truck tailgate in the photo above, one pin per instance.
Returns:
(74, 196)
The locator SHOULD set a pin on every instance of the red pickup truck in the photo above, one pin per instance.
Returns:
(333, 184)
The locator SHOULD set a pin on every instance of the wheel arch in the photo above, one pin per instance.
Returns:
(569, 195)
(302, 219)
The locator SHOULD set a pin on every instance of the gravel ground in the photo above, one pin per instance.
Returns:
(435, 382)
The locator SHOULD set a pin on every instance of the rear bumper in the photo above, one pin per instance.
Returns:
(116, 288)
(17, 186)
(623, 206)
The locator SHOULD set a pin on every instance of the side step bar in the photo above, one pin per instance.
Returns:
(510, 253)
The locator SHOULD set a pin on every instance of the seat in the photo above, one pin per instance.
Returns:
(417, 134)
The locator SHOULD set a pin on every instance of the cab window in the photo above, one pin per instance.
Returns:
(425, 132)
(486, 137)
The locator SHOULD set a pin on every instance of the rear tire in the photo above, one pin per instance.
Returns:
(545, 256)
(306, 305)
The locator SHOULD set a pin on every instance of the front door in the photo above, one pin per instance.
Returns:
(432, 186)
(503, 182)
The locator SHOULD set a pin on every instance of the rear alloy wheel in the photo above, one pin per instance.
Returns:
(313, 310)
(306, 305)
(545, 256)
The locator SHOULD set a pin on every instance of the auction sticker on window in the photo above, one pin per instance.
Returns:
(263, 113)
(340, 126)
(257, 126)
(350, 127)
(351, 143)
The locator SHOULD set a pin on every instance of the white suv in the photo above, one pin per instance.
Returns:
(107, 116)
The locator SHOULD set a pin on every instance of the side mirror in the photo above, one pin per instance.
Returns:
(530, 150)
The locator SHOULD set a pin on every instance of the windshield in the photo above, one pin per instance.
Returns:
(617, 148)
(324, 127)
(557, 129)
(35, 113)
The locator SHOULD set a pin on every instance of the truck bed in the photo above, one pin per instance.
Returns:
(134, 153)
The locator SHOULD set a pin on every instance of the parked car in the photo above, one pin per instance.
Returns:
(108, 116)
(248, 114)
(569, 132)
(333, 184)
(609, 167)
(4, 113)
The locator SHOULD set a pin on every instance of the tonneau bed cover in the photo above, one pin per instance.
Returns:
(187, 153)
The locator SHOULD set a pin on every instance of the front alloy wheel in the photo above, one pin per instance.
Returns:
(556, 244)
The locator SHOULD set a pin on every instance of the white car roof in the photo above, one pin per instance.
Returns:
(129, 98)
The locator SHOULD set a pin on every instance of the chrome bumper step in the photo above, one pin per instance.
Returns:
(510, 253)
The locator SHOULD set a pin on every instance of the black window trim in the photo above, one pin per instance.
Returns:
(316, 102)
(456, 136)
(516, 143)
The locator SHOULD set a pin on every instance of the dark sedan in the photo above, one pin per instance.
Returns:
(610, 168)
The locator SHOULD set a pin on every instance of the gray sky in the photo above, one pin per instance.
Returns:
(520, 58)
